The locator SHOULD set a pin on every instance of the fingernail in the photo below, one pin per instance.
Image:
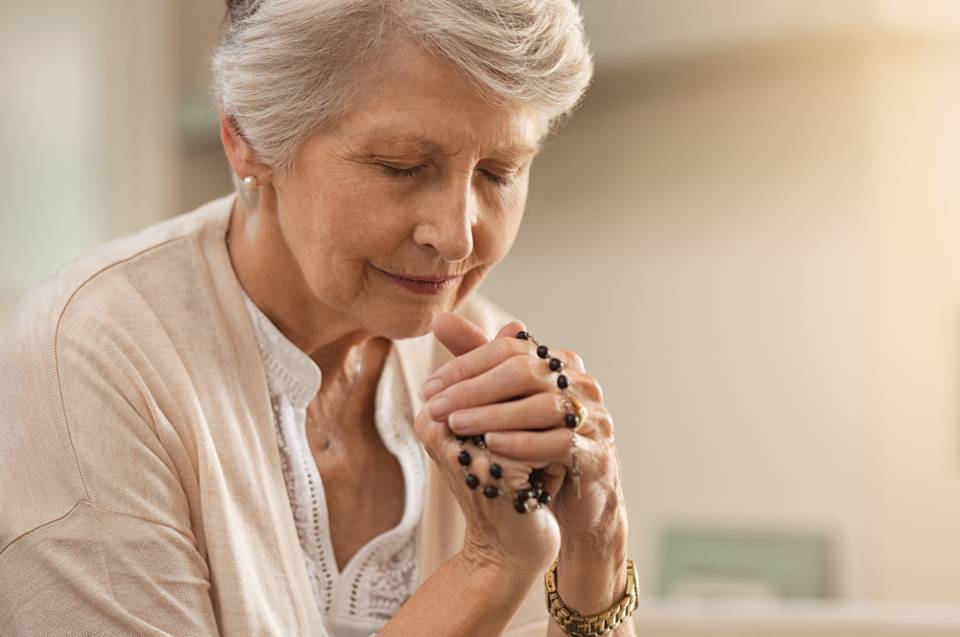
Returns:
(439, 407)
(458, 422)
(430, 388)
(492, 438)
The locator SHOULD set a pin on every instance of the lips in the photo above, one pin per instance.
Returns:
(421, 278)
(425, 279)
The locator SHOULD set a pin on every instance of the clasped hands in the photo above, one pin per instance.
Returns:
(501, 390)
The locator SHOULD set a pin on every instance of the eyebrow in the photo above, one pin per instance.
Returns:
(427, 145)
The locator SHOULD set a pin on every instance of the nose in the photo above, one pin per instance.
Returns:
(447, 221)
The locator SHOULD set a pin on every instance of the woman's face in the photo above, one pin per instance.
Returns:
(422, 178)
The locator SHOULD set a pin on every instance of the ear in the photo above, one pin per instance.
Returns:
(240, 155)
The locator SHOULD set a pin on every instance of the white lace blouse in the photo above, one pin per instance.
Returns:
(358, 600)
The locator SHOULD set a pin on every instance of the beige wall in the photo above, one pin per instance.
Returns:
(705, 219)
(755, 251)
(912, 108)
(87, 127)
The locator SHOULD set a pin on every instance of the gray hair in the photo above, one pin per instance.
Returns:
(286, 68)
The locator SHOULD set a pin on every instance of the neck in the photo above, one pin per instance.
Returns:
(269, 274)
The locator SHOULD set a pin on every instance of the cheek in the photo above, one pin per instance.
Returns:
(495, 238)
(344, 216)
(329, 236)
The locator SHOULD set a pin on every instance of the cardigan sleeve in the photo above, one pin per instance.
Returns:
(95, 533)
(100, 572)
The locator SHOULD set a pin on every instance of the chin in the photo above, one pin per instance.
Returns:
(403, 322)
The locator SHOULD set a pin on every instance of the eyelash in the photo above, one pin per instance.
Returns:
(412, 171)
(394, 171)
(495, 178)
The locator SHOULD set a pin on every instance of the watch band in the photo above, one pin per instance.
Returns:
(573, 623)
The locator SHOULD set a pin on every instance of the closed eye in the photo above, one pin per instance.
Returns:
(499, 180)
(401, 171)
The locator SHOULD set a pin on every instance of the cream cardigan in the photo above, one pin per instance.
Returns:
(140, 486)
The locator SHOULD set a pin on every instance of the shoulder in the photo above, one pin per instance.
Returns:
(103, 285)
(78, 346)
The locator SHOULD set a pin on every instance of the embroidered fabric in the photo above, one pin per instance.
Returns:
(360, 599)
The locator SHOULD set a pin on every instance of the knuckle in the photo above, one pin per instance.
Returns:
(605, 424)
(454, 371)
(457, 393)
(496, 416)
(591, 388)
(512, 346)
(557, 403)
(608, 462)
(579, 362)
(525, 444)
(450, 454)
(429, 432)
(421, 427)
(523, 365)
(571, 358)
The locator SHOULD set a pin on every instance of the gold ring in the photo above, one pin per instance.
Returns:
(579, 411)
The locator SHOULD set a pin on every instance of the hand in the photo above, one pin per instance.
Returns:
(494, 531)
(501, 388)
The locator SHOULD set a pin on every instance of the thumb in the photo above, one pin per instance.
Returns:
(511, 329)
(460, 335)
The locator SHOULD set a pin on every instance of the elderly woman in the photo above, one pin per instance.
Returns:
(221, 425)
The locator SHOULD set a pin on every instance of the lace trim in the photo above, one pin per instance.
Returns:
(385, 571)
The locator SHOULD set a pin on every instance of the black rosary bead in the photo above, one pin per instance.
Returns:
(542, 351)
(556, 364)
(571, 420)
(523, 336)
(543, 497)
(496, 471)
(462, 439)
(562, 381)
(480, 441)
(472, 481)
(491, 491)
(464, 458)
(536, 477)
(524, 494)
(519, 505)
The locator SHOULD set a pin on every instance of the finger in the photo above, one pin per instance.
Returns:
(514, 378)
(485, 357)
(488, 468)
(540, 411)
(511, 329)
(555, 473)
(482, 472)
(540, 447)
(458, 334)
(484, 468)
(477, 360)
(514, 479)
(518, 376)
(570, 359)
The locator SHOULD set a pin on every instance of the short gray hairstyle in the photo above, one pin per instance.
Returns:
(285, 68)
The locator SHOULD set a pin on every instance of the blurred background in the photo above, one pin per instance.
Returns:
(749, 231)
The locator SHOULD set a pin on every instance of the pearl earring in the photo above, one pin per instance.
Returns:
(251, 182)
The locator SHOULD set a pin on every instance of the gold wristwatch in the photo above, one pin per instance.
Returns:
(573, 623)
